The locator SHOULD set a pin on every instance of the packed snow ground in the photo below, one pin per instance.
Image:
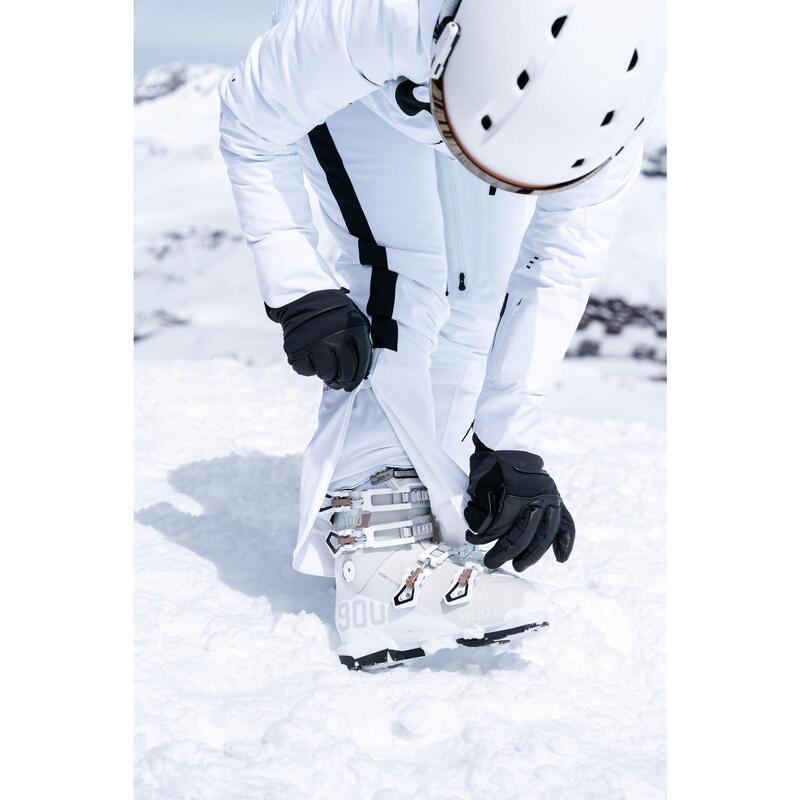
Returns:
(239, 693)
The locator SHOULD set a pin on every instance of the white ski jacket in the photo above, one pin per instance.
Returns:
(321, 55)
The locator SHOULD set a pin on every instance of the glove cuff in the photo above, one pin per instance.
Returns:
(519, 459)
(480, 447)
(308, 306)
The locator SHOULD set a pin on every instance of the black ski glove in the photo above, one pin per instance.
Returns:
(513, 500)
(325, 334)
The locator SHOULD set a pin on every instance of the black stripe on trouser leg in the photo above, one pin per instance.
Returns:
(383, 281)
(382, 288)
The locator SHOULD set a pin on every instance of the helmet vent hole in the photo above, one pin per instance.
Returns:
(641, 122)
(607, 119)
(578, 163)
(634, 60)
(486, 122)
(522, 79)
(619, 151)
(556, 27)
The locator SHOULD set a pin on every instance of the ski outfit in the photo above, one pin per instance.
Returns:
(335, 94)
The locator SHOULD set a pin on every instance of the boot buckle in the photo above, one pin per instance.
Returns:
(348, 542)
(406, 595)
(460, 590)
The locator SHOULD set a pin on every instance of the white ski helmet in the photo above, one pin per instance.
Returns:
(536, 96)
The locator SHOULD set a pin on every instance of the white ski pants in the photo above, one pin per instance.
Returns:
(426, 252)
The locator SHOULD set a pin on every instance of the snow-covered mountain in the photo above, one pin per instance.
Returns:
(239, 692)
(195, 287)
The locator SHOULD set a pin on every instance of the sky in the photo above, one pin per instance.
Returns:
(197, 31)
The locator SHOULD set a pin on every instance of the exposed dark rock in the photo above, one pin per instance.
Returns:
(586, 348)
(611, 327)
(655, 163)
(615, 314)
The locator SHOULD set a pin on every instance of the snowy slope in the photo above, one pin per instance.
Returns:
(239, 694)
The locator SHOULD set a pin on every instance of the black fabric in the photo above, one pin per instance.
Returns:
(503, 309)
(325, 334)
(515, 503)
(407, 101)
(383, 282)
(382, 288)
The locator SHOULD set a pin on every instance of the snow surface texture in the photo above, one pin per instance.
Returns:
(239, 693)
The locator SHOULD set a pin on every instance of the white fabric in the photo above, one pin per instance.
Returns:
(435, 220)
(371, 444)
(319, 56)
(395, 179)
(562, 255)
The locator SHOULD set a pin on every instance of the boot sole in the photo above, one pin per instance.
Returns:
(388, 658)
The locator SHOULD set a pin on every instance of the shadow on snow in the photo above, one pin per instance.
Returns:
(248, 530)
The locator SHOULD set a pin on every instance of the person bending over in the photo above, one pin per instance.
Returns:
(471, 160)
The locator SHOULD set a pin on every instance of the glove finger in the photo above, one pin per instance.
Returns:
(541, 540)
(325, 364)
(364, 362)
(348, 366)
(362, 345)
(565, 538)
(355, 357)
(367, 359)
(476, 516)
(481, 514)
(484, 510)
(516, 540)
(301, 363)
(480, 538)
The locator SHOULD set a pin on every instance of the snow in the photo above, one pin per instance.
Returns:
(239, 693)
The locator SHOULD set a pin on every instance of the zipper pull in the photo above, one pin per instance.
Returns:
(461, 284)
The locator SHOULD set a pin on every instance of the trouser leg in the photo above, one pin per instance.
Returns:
(378, 191)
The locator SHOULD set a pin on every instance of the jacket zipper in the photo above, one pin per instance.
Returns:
(453, 216)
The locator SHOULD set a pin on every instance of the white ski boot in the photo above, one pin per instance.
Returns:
(401, 595)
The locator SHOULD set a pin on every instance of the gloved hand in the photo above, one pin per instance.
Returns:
(513, 500)
(325, 334)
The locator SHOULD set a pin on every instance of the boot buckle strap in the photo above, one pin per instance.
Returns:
(413, 499)
(406, 595)
(385, 534)
(390, 473)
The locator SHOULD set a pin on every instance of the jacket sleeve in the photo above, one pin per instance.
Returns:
(563, 253)
(319, 56)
